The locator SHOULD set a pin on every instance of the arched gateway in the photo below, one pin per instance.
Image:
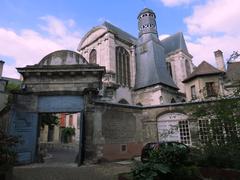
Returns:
(57, 84)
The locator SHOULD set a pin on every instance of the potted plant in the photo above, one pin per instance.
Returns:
(7, 155)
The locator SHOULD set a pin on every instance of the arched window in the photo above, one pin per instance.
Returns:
(169, 68)
(188, 68)
(93, 57)
(173, 100)
(123, 101)
(139, 104)
(161, 99)
(122, 66)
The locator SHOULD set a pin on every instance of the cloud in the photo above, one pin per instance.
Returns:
(212, 26)
(163, 36)
(172, 3)
(203, 48)
(28, 46)
(216, 16)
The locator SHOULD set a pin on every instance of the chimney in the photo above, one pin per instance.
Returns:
(1, 67)
(219, 60)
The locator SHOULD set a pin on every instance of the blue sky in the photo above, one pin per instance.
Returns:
(30, 29)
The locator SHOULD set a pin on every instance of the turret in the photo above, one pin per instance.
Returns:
(147, 22)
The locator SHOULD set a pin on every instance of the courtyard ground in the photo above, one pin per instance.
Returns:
(104, 171)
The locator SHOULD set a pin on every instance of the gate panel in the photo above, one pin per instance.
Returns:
(60, 104)
(24, 125)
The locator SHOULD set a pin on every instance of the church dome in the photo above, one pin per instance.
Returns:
(63, 57)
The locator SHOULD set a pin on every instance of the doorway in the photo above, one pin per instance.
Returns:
(59, 137)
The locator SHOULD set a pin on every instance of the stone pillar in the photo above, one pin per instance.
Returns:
(219, 60)
(1, 67)
(56, 134)
(44, 134)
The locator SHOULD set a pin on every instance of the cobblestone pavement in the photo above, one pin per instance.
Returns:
(105, 171)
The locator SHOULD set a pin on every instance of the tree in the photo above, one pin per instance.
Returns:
(48, 119)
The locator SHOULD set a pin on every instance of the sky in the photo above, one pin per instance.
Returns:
(31, 29)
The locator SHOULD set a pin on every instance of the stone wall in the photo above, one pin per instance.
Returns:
(115, 132)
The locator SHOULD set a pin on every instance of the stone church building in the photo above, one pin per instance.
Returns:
(129, 90)
(143, 70)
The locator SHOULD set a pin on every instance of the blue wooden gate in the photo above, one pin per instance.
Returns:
(24, 125)
(24, 119)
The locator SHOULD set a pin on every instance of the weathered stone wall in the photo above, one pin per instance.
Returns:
(57, 82)
(200, 86)
(109, 127)
(105, 44)
(152, 96)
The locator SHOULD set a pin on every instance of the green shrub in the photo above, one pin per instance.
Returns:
(168, 163)
(220, 156)
(67, 133)
(7, 154)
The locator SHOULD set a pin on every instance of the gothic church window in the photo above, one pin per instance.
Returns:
(122, 66)
(188, 68)
(93, 57)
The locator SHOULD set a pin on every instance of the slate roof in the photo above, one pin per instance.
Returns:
(174, 42)
(146, 10)
(203, 69)
(233, 71)
(151, 67)
(119, 32)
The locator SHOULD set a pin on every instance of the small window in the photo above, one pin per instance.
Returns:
(161, 99)
(210, 89)
(173, 100)
(93, 57)
(193, 92)
(139, 104)
(123, 148)
(184, 132)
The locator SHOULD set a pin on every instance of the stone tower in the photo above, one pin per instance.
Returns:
(150, 57)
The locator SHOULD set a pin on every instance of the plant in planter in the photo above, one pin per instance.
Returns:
(7, 155)
(67, 134)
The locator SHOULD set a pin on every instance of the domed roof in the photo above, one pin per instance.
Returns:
(146, 10)
(63, 57)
